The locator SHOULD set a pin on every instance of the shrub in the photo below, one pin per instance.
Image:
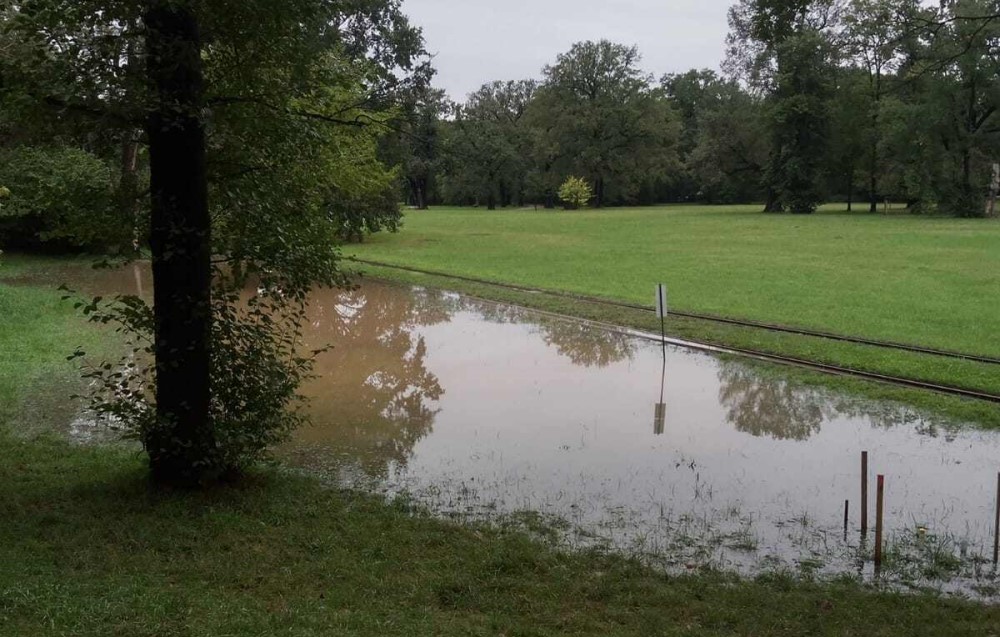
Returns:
(59, 197)
(255, 373)
(575, 193)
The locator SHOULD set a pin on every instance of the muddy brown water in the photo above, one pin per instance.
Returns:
(482, 411)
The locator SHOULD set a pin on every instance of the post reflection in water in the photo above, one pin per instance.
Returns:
(660, 411)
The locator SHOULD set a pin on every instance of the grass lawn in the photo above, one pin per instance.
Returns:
(88, 548)
(929, 281)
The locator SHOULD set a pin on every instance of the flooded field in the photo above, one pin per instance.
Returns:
(481, 411)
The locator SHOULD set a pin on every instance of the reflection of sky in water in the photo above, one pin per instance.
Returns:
(486, 409)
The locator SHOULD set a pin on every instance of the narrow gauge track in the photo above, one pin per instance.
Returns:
(764, 356)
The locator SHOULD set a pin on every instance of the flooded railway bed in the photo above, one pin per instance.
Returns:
(484, 411)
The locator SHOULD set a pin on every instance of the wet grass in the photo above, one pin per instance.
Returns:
(37, 332)
(949, 408)
(919, 280)
(88, 548)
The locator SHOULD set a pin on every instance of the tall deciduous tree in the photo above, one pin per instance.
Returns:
(489, 145)
(604, 120)
(255, 115)
(181, 243)
(779, 47)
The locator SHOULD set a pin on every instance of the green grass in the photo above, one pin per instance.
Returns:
(928, 281)
(87, 547)
(38, 331)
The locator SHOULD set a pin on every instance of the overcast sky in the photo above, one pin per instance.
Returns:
(477, 41)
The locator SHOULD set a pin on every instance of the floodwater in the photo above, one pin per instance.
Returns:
(485, 411)
(482, 411)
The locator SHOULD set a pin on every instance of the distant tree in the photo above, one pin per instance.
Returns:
(415, 143)
(780, 47)
(873, 30)
(489, 145)
(734, 146)
(962, 102)
(699, 95)
(601, 117)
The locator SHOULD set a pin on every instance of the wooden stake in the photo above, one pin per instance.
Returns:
(996, 532)
(847, 512)
(879, 500)
(864, 493)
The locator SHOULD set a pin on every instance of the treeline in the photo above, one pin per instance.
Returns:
(860, 101)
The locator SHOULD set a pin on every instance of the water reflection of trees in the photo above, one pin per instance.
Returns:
(764, 405)
(583, 344)
(373, 397)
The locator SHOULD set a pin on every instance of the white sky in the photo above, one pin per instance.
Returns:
(477, 41)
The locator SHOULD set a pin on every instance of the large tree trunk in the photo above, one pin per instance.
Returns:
(599, 193)
(850, 190)
(873, 189)
(182, 445)
(772, 204)
(550, 200)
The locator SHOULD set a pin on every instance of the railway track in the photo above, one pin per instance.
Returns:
(764, 356)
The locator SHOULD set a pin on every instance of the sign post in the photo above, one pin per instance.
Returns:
(661, 312)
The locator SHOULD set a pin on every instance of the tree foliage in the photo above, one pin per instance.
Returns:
(259, 126)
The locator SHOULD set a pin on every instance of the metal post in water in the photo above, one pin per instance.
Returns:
(864, 493)
(879, 500)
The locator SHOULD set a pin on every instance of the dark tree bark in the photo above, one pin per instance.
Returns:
(181, 447)
(772, 204)
(599, 193)
(873, 191)
(850, 190)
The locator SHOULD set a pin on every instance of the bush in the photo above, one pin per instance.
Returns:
(255, 373)
(575, 193)
(59, 198)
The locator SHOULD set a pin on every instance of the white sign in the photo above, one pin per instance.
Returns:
(661, 301)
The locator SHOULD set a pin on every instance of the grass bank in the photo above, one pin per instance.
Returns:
(88, 548)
